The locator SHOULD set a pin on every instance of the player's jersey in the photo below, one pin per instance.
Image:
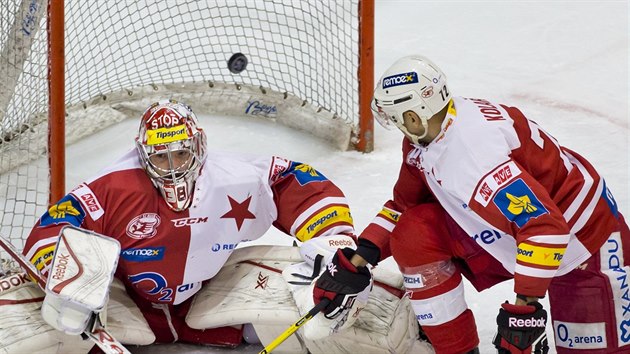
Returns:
(538, 208)
(166, 255)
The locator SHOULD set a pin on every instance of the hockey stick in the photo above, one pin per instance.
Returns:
(294, 327)
(99, 335)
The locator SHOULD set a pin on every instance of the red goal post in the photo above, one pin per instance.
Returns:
(72, 67)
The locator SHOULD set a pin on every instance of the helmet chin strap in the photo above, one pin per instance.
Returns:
(413, 137)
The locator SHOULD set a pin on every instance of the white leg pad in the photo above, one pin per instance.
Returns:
(255, 292)
(245, 293)
(22, 328)
(124, 320)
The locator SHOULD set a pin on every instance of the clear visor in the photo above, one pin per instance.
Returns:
(381, 117)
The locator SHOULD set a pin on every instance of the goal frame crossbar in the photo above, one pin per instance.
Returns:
(364, 140)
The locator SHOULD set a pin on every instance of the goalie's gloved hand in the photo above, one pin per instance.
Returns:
(342, 282)
(521, 329)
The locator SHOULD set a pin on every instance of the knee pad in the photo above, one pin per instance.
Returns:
(436, 292)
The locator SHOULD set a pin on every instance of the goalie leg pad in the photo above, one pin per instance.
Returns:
(381, 323)
(125, 321)
(250, 291)
(253, 291)
(22, 328)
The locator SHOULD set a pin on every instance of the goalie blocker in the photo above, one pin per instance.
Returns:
(78, 283)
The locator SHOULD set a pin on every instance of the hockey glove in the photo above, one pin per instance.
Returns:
(342, 282)
(521, 329)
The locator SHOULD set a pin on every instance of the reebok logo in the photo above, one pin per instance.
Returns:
(60, 267)
(340, 243)
(530, 322)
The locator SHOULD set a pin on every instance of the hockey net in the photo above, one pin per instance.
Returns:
(307, 69)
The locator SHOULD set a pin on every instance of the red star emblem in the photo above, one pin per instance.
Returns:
(239, 211)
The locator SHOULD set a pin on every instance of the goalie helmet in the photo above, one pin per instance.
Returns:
(172, 149)
(412, 83)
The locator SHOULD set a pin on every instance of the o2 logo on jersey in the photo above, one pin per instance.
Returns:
(518, 203)
(580, 335)
(152, 283)
(143, 226)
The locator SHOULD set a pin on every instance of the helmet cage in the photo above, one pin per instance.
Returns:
(173, 166)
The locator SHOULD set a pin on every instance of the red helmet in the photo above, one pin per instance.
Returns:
(172, 149)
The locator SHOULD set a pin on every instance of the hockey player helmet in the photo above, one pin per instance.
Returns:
(172, 150)
(412, 83)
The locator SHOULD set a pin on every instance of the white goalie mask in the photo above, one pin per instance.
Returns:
(172, 149)
(412, 83)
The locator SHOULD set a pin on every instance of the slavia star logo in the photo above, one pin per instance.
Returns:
(59, 211)
(239, 211)
(521, 204)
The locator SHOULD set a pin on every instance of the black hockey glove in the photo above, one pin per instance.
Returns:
(521, 329)
(341, 282)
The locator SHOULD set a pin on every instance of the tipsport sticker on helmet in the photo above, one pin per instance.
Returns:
(166, 135)
(67, 210)
(519, 203)
(400, 79)
(304, 173)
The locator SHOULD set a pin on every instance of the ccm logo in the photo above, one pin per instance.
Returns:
(189, 221)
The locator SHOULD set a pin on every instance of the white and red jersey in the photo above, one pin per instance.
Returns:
(166, 255)
(537, 207)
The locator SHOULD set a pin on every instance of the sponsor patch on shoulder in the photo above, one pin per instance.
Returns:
(67, 210)
(89, 201)
(305, 173)
(496, 179)
(518, 203)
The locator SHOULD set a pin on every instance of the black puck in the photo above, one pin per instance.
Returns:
(237, 63)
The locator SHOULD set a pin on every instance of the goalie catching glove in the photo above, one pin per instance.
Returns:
(521, 329)
(342, 283)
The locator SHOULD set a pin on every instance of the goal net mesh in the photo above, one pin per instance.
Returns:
(122, 55)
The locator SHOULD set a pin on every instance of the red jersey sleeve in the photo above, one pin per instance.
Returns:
(308, 203)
